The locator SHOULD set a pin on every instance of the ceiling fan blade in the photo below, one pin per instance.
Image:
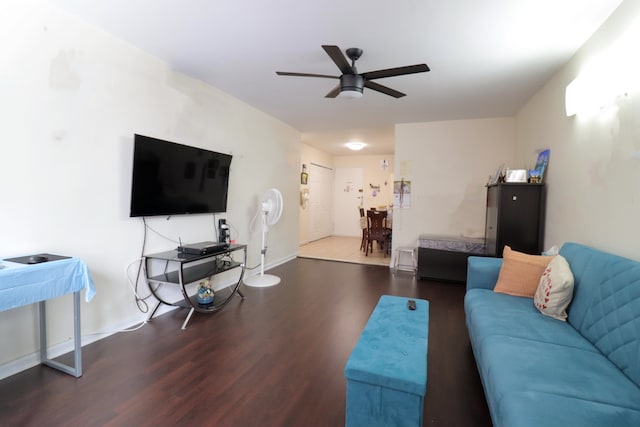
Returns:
(334, 92)
(338, 57)
(399, 71)
(286, 73)
(383, 89)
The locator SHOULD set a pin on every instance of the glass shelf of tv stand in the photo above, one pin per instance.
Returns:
(187, 269)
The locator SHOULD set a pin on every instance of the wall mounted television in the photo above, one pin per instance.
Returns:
(176, 179)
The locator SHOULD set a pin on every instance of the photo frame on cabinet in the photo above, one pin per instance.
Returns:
(541, 165)
(493, 179)
(516, 175)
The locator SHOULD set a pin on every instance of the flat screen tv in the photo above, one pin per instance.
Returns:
(176, 179)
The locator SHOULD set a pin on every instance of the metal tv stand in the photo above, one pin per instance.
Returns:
(184, 269)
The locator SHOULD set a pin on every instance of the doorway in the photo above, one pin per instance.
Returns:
(335, 233)
(320, 202)
(347, 196)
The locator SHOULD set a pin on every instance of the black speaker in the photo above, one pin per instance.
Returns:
(223, 231)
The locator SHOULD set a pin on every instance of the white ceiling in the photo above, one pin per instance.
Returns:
(487, 58)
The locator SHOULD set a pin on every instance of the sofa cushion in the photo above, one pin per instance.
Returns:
(520, 273)
(606, 304)
(489, 313)
(553, 410)
(551, 368)
(538, 371)
(555, 289)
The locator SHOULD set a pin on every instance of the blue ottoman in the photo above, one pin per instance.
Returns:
(387, 370)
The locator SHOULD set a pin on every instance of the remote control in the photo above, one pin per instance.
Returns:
(411, 304)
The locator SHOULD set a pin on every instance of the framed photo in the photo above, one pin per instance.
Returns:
(516, 175)
(493, 179)
(541, 164)
(402, 193)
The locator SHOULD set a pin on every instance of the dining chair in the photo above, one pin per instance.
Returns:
(376, 231)
(363, 226)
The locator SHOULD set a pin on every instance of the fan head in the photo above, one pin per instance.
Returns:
(272, 205)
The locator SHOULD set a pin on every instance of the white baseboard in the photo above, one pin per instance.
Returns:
(30, 360)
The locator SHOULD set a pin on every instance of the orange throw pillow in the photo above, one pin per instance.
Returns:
(520, 273)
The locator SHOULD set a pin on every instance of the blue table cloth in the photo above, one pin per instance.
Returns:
(23, 284)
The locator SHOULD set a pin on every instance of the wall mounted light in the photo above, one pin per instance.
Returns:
(609, 76)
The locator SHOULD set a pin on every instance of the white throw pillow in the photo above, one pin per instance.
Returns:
(555, 289)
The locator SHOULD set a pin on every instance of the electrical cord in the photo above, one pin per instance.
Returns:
(231, 226)
(135, 328)
(119, 330)
(140, 300)
(147, 226)
(133, 285)
(215, 229)
(141, 303)
(253, 220)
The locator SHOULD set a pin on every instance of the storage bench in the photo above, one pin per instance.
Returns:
(445, 258)
(387, 370)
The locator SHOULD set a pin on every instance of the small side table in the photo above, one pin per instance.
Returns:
(404, 252)
(23, 284)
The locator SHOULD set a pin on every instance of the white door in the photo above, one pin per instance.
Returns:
(320, 202)
(347, 200)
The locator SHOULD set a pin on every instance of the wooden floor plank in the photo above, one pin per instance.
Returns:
(275, 359)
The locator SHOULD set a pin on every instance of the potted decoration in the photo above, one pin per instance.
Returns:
(205, 294)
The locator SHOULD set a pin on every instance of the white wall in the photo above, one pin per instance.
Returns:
(372, 174)
(593, 183)
(448, 164)
(72, 98)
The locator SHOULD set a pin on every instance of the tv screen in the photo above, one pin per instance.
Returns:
(175, 179)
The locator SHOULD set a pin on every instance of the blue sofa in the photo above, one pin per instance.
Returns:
(539, 371)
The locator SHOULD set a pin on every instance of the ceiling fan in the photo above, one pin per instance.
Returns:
(351, 82)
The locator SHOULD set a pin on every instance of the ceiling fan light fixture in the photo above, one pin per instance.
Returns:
(355, 146)
(351, 86)
(352, 83)
(350, 94)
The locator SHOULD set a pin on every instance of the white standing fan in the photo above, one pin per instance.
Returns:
(270, 210)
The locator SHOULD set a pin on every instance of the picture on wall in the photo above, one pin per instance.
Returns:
(402, 193)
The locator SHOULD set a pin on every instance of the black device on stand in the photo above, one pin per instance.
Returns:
(223, 231)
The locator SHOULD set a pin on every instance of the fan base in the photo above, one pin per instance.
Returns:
(262, 281)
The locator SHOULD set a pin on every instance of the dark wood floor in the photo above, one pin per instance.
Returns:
(275, 359)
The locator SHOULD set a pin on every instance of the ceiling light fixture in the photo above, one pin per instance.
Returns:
(355, 146)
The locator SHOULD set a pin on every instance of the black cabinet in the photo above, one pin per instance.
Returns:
(515, 217)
